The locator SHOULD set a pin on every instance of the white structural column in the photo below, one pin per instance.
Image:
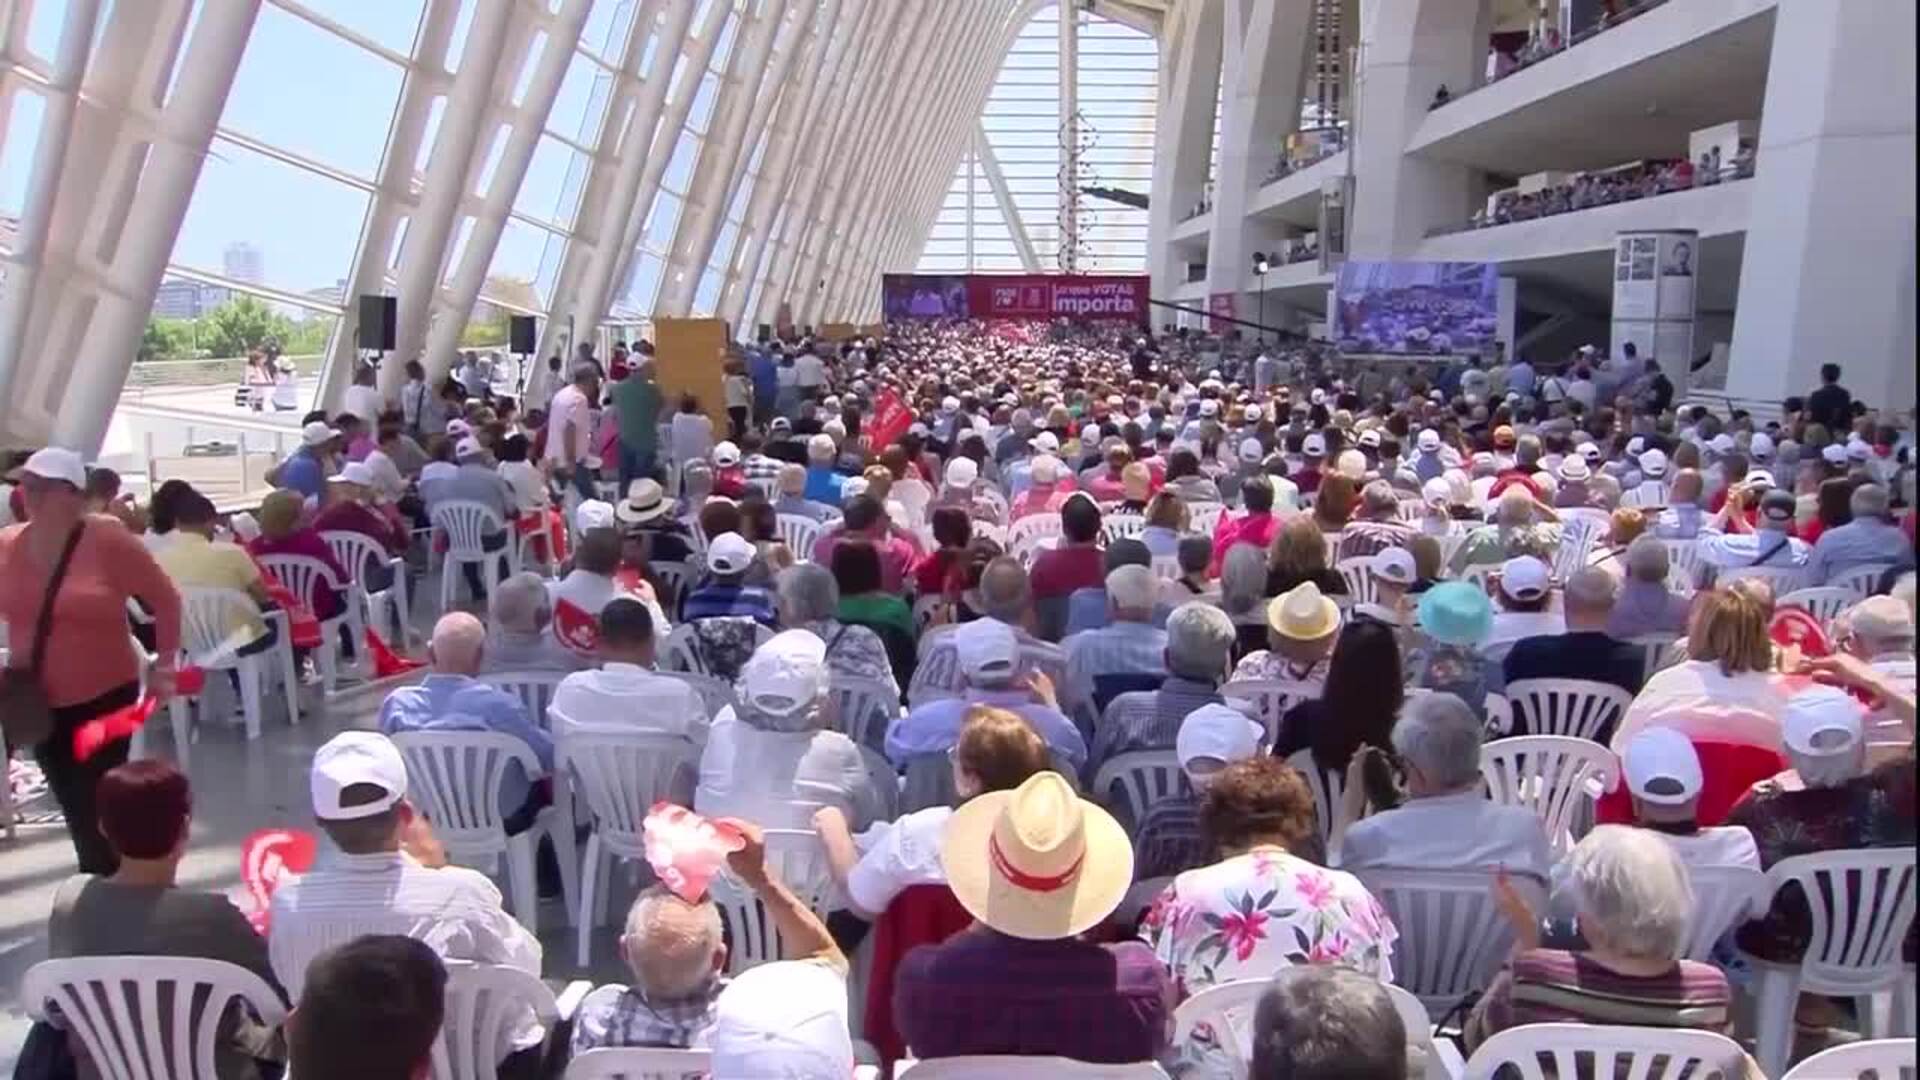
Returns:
(1067, 237)
(1828, 270)
(126, 181)
(606, 197)
(800, 108)
(1190, 54)
(710, 190)
(456, 146)
(1409, 48)
(1264, 69)
(1003, 198)
(453, 306)
(394, 194)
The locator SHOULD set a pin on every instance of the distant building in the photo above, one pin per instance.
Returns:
(329, 294)
(180, 298)
(243, 262)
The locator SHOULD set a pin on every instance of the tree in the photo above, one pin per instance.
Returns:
(242, 324)
(167, 339)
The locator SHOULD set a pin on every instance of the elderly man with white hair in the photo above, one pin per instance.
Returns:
(988, 656)
(1870, 539)
(1377, 525)
(1200, 640)
(1447, 822)
(1514, 532)
(792, 482)
(517, 637)
(1879, 630)
(1111, 659)
(1644, 604)
(1585, 650)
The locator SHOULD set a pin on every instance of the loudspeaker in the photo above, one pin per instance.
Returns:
(377, 317)
(520, 334)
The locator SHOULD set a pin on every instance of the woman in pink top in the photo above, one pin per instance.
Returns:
(88, 666)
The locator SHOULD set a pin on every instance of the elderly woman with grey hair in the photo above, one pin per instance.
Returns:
(808, 597)
(1243, 596)
(518, 638)
(1645, 605)
(1634, 903)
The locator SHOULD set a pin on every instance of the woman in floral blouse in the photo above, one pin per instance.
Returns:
(1260, 908)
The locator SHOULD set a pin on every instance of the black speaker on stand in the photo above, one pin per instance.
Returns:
(375, 327)
(522, 339)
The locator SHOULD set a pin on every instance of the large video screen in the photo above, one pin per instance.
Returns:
(924, 296)
(1430, 308)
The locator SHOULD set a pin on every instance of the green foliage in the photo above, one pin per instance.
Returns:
(167, 339)
(232, 330)
(241, 324)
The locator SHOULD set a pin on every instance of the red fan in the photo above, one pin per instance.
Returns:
(386, 662)
(89, 737)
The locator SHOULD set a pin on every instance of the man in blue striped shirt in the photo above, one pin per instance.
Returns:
(1126, 654)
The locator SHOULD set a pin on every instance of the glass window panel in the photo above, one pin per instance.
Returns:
(513, 277)
(662, 221)
(642, 288)
(18, 140)
(651, 56)
(700, 114)
(723, 241)
(529, 63)
(581, 102)
(303, 89)
(496, 149)
(243, 198)
(462, 25)
(393, 23)
(680, 166)
(724, 47)
(707, 293)
(607, 27)
(546, 193)
(435, 110)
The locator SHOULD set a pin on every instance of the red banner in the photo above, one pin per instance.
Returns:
(1055, 296)
(891, 419)
(1220, 303)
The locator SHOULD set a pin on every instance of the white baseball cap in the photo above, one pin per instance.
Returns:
(1251, 450)
(986, 648)
(57, 463)
(821, 445)
(1662, 767)
(787, 674)
(1436, 492)
(1761, 446)
(1761, 477)
(962, 472)
(1209, 407)
(1396, 564)
(729, 553)
(356, 757)
(1428, 440)
(1821, 721)
(1370, 438)
(1858, 450)
(468, 447)
(1654, 462)
(593, 514)
(1834, 454)
(1590, 452)
(354, 472)
(1525, 578)
(1220, 732)
(1721, 443)
(726, 454)
(1046, 443)
(1636, 444)
(1314, 445)
(458, 428)
(320, 431)
(786, 1020)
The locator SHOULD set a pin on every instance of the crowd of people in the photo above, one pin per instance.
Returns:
(1607, 186)
(1282, 572)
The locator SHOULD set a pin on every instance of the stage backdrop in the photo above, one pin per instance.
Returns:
(1121, 297)
(1417, 308)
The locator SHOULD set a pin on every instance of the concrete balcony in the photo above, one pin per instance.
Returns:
(1295, 198)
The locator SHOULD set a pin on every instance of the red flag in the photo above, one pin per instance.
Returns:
(576, 628)
(386, 662)
(89, 737)
(891, 419)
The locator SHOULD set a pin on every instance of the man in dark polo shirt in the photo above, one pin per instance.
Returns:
(1585, 651)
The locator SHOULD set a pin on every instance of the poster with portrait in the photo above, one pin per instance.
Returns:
(1679, 260)
(1634, 293)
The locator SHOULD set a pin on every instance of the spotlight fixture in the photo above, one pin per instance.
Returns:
(1260, 263)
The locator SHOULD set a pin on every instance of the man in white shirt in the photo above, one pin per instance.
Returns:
(1447, 823)
(385, 873)
(1771, 543)
(363, 398)
(570, 429)
(809, 374)
(1879, 630)
(625, 693)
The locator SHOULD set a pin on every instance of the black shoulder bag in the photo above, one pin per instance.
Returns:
(25, 714)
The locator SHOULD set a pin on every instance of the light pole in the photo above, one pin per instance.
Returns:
(1260, 266)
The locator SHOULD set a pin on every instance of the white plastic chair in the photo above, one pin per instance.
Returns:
(533, 688)
(1616, 1051)
(1122, 526)
(1328, 788)
(1577, 537)
(680, 652)
(305, 577)
(1357, 572)
(1022, 1067)
(1452, 936)
(925, 610)
(466, 525)
(1479, 575)
(1884, 1059)
(1550, 775)
(136, 1015)
(620, 775)
(1823, 602)
(1030, 533)
(1165, 567)
(486, 1003)
(1862, 903)
(1683, 565)
(674, 577)
(715, 694)
(1658, 651)
(357, 552)
(1227, 1009)
(796, 859)
(640, 1063)
(1442, 1057)
(799, 533)
(206, 621)
(1269, 698)
(1723, 898)
(455, 776)
(862, 709)
(1144, 777)
(1204, 517)
(1781, 579)
(1863, 580)
(1579, 708)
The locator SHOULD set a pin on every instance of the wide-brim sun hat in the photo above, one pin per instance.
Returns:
(1038, 862)
(1456, 613)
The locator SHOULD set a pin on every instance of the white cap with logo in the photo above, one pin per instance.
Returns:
(1822, 721)
(356, 757)
(786, 675)
(729, 553)
(1662, 767)
(1220, 732)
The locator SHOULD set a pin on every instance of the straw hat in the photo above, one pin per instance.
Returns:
(1038, 862)
(1303, 614)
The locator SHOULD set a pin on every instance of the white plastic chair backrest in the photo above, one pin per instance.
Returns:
(681, 653)
(1658, 652)
(1204, 517)
(455, 776)
(925, 608)
(1782, 579)
(1723, 898)
(1452, 936)
(1452, 543)
(1884, 1059)
(1271, 698)
(1478, 574)
(1166, 567)
(621, 774)
(1542, 1051)
(1683, 565)
(640, 1063)
(1863, 580)
(914, 496)
(1549, 775)
(695, 530)
(1031, 529)
(1575, 707)
(303, 575)
(1823, 602)
(1120, 526)
(715, 694)
(1413, 1017)
(799, 533)
(146, 1016)
(207, 618)
(862, 709)
(938, 675)
(1328, 788)
(675, 576)
(1411, 510)
(486, 1003)
(992, 530)
(533, 688)
(1862, 903)
(1144, 777)
(355, 551)
(1227, 1008)
(796, 859)
(1577, 537)
(1357, 572)
(1017, 1067)
(466, 523)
